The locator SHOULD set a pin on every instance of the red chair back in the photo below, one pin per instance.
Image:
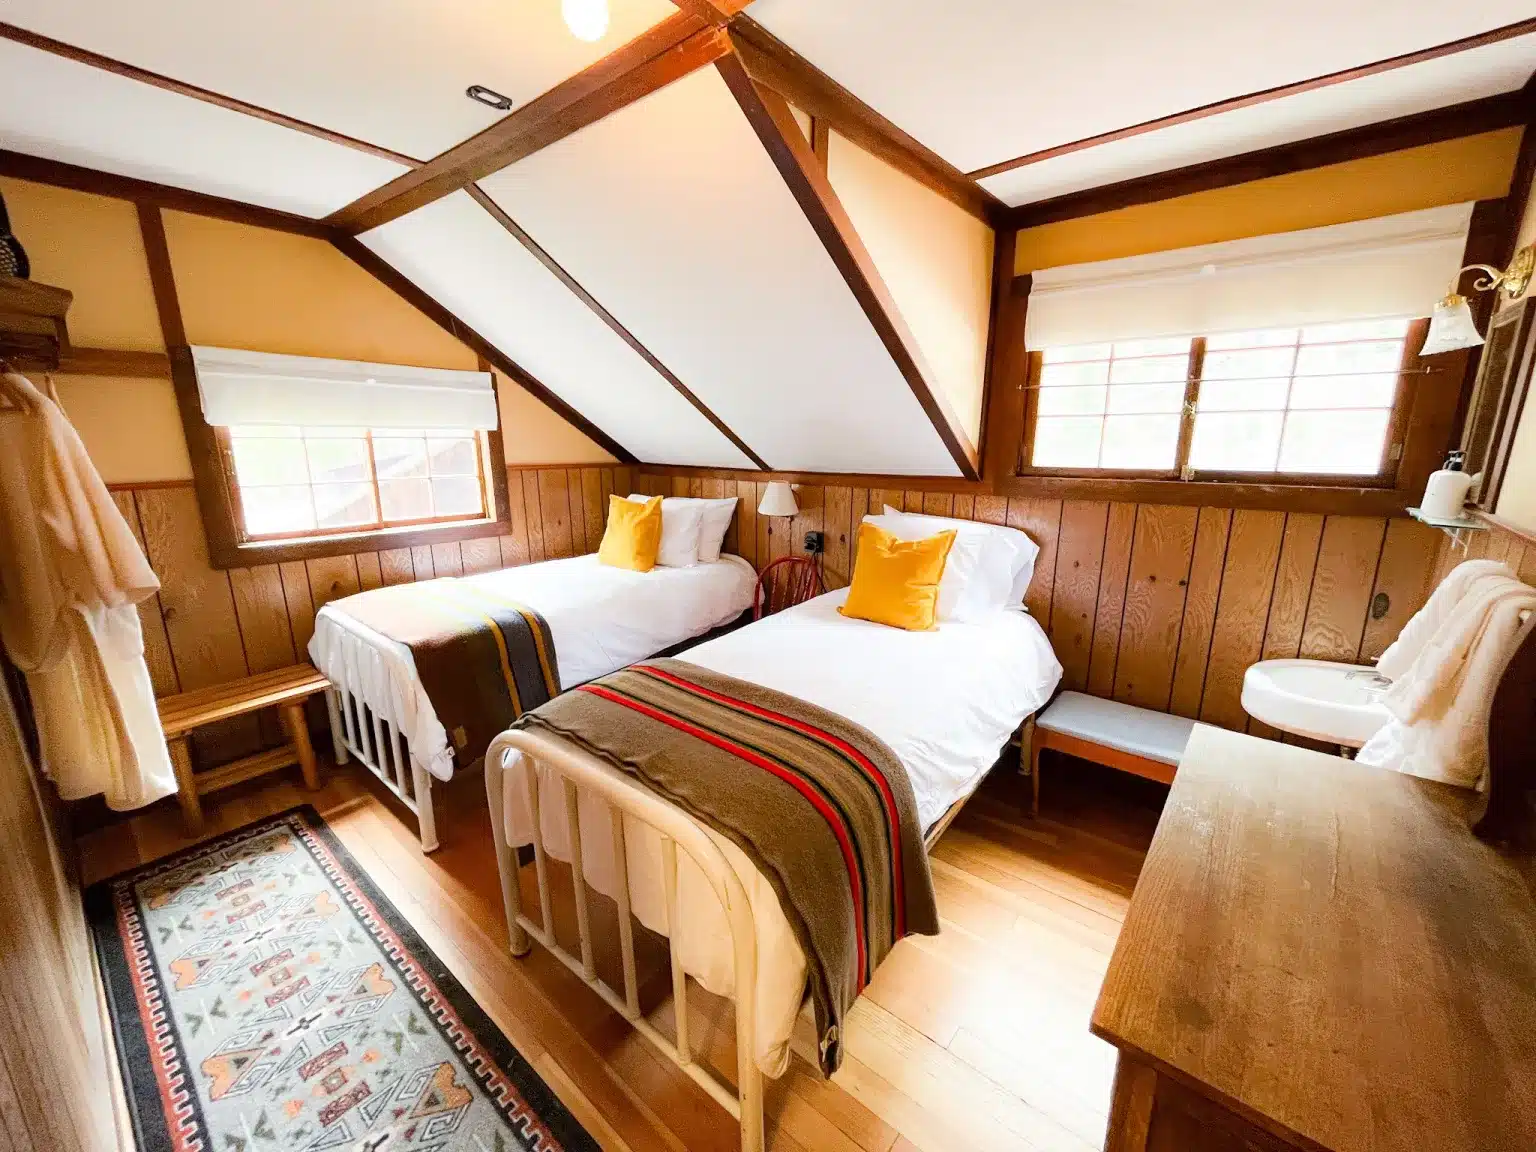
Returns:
(786, 582)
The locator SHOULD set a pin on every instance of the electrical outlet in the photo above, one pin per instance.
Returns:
(814, 543)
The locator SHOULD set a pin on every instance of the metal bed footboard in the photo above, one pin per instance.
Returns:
(361, 729)
(678, 831)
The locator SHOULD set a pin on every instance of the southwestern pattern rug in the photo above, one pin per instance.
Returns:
(267, 998)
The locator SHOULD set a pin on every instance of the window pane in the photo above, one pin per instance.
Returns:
(1071, 375)
(1140, 442)
(1076, 352)
(1345, 443)
(1355, 330)
(1252, 364)
(281, 509)
(1235, 442)
(1130, 398)
(1149, 368)
(341, 505)
(405, 499)
(1242, 395)
(1343, 392)
(453, 457)
(1159, 347)
(268, 461)
(1067, 441)
(456, 495)
(333, 461)
(1265, 338)
(1336, 359)
(1072, 401)
(397, 457)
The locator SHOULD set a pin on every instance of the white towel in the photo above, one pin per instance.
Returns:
(1439, 704)
(1397, 659)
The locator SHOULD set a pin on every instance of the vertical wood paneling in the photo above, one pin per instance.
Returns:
(837, 504)
(1341, 587)
(623, 482)
(370, 573)
(533, 518)
(421, 562)
(681, 486)
(858, 507)
(880, 498)
(1041, 521)
(965, 506)
(555, 508)
(912, 501)
(989, 509)
(447, 559)
(301, 604)
(1079, 556)
(331, 578)
(809, 519)
(514, 545)
(157, 646)
(746, 521)
(764, 524)
(1237, 640)
(482, 555)
(1293, 590)
(938, 504)
(1161, 551)
(395, 566)
(1527, 569)
(262, 613)
(576, 498)
(594, 506)
(1199, 611)
(1113, 573)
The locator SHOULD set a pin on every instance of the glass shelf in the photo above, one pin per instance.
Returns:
(1456, 527)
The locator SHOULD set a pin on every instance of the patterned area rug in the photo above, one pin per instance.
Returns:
(267, 998)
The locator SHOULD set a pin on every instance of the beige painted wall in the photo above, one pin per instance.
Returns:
(1517, 499)
(239, 287)
(935, 258)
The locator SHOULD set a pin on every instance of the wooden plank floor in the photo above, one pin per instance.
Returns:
(976, 1038)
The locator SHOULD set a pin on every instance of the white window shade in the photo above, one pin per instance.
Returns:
(242, 388)
(1391, 266)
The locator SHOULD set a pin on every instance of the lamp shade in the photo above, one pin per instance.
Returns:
(778, 500)
(1451, 327)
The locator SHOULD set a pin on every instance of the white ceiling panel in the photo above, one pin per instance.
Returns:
(672, 214)
(1486, 71)
(61, 110)
(460, 256)
(391, 72)
(983, 81)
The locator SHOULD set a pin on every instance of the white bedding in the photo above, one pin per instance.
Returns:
(601, 618)
(946, 702)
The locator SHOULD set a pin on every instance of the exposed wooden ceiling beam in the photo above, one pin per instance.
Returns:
(553, 266)
(716, 12)
(774, 123)
(775, 65)
(1466, 44)
(366, 259)
(118, 67)
(1485, 115)
(62, 175)
(655, 58)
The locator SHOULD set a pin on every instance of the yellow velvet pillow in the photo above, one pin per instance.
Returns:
(896, 582)
(633, 534)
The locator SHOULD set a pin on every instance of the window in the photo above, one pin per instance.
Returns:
(291, 482)
(1282, 403)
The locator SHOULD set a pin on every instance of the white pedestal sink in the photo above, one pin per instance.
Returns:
(1335, 703)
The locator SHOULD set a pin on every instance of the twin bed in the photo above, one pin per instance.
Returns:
(945, 702)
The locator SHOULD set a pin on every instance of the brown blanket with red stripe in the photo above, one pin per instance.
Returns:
(821, 807)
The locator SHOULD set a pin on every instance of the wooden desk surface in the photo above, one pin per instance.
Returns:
(1326, 950)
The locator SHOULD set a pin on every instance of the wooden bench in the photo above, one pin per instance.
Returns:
(1122, 736)
(285, 689)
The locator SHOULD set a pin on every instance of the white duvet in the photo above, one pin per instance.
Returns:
(946, 702)
(601, 618)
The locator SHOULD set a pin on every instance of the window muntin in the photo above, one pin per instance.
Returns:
(294, 482)
(1312, 401)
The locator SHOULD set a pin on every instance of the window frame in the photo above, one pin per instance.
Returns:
(219, 501)
(1385, 478)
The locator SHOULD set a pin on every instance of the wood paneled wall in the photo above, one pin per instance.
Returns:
(1156, 605)
(208, 626)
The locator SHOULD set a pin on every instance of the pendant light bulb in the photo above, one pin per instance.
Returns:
(587, 19)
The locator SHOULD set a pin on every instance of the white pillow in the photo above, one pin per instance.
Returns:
(1006, 567)
(680, 520)
(717, 519)
(957, 596)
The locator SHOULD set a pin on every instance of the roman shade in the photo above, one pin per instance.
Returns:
(1390, 266)
(240, 388)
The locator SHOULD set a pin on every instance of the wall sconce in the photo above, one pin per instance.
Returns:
(778, 500)
(1451, 326)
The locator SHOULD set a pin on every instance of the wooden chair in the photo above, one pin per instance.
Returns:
(786, 582)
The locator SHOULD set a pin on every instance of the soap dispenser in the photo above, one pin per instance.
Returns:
(1445, 495)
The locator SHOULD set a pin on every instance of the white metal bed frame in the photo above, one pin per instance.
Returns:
(360, 730)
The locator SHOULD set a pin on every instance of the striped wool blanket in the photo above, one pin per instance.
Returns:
(483, 660)
(821, 807)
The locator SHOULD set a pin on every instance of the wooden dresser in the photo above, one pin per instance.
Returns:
(1320, 955)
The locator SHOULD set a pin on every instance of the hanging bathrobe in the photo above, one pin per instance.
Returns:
(71, 575)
